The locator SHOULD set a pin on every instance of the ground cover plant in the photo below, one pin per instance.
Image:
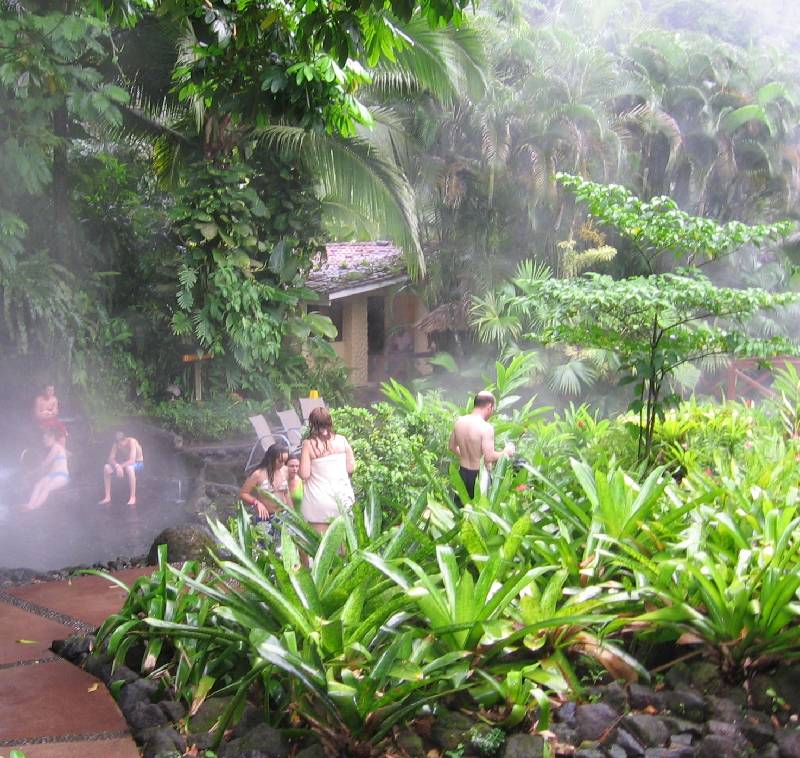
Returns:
(562, 568)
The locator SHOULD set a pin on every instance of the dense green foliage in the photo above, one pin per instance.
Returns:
(573, 556)
(654, 324)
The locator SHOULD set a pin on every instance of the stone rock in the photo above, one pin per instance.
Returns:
(261, 742)
(317, 751)
(705, 677)
(13, 576)
(729, 731)
(524, 746)
(715, 746)
(613, 694)
(770, 751)
(251, 717)
(789, 743)
(724, 709)
(785, 679)
(589, 752)
(682, 726)
(123, 674)
(565, 714)
(681, 740)
(407, 740)
(140, 691)
(450, 729)
(595, 721)
(163, 743)
(145, 716)
(173, 710)
(679, 676)
(632, 747)
(757, 728)
(649, 730)
(615, 751)
(565, 734)
(669, 752)
(99, 666)
(641, 697)
(207, 714)
(685, 703)
(184, 543)
(75, 648)
(202, 741)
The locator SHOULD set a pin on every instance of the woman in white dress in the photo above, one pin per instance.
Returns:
(326, 463)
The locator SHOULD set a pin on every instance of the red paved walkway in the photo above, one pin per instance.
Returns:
(48, 707)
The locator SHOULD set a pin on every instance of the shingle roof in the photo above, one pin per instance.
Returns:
(355, 265)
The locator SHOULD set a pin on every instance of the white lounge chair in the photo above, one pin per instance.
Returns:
(291, 427)
(307, 404)
(264, 438)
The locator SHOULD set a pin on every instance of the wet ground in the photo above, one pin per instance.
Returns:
(71, 528)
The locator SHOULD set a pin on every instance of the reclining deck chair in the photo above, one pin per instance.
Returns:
(291, 427)
(307, 404)
(264, 438)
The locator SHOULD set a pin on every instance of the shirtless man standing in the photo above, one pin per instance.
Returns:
(129, 451)
(473, 439)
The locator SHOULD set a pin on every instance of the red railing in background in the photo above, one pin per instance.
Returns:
(745, 378)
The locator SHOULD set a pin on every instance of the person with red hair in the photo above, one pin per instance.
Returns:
(326, 463)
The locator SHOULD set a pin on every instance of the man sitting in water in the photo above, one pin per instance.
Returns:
(473, 439)
(129, 452)
(45, 412)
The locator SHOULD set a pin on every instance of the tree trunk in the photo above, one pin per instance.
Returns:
(61, 240)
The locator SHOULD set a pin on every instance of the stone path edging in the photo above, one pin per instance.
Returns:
(48, 707)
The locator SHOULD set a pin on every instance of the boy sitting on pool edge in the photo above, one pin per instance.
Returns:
(129, 452)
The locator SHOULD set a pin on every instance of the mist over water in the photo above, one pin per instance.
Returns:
(71, 529)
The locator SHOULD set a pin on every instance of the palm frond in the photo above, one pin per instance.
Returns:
(358, 174)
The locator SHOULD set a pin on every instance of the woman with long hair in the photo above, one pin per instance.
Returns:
(326, 463)
(55, 470)
(265, 486)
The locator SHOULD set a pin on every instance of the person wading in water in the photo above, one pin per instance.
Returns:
(473, 439)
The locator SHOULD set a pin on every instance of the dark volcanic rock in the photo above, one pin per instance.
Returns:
(261, 742)
(715, 746)
(184, 543)
(724, 709)
(595, 721)
(612, 694)
(565, 714)
(207, 714)
(123, 674)
(407, 740)
(565, 734)
(524, 746)
(729, 731)
(669, 752)
(145, 716)
(163, 743)
(640, 697)
(678, 676)
(685, 703)
(589, 752)
(317, 751)
(789, 743)
(75, 648)
(757, 728)
(632, 747)
(99, 666)
(705, 677)
(172, 709)
(450, 730)
(140, 691)
(682, 726)
(649, 730)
